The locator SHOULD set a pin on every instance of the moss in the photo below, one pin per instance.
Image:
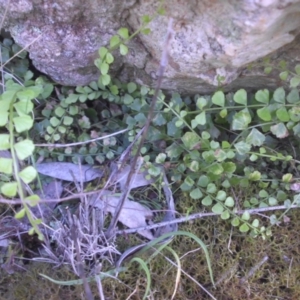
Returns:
(232, 260)
(30, 285)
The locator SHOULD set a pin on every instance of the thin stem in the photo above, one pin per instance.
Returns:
(163, 64)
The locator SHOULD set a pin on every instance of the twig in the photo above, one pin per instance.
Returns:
(81, 143)
(254, 269)
(201, 215)
(190, 277)
(5, 13)
(162, 67)
(15, 55)
(81, 272)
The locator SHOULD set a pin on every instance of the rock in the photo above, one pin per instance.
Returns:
(213, 41)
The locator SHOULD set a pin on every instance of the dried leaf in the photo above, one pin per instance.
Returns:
(132, 215)
(69, 171)
(138, 179)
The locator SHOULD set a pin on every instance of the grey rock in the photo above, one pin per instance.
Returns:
(212, 40)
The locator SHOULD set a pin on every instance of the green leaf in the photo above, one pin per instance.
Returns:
(242, 147)
(94, 85)
(4, 141)
(123, 33)
(241, 120)
(264, 113)
(23, 123)
(279, 95)
(235, 221)
(217, 208)
(262, 96)
(47, 90)
(24, 149)
(194, 166)
(282, 114)
(68, 120)
(203, 181)
(154, 171)
(114, 89)
(244, 228)
(221, 195)
(23, 107)
(207, 201)
(268, 70)
(229, 202)
(26, 95)
(240, 97)
(3, 118)
(178, 123)
(296, 129)
(161, 11)
(190, 140)
(255, 223)
(61, 129)
(146, 19)
(253, 157)
(216, 169)
(131, 87)
(220, 155)
(189, 181)
(102, 52)
(32, 200)
(9, 189)
(225, 145)
(272, 201)
(6, 99)
(6, 165)
(146, 31)
(287, 177)
(20, 214)
(83, 98)
(287, 204)
(294, 113)
(211, 188)
(109, 58)
(28, 174)
(196, 194)
(127, 99)
(263, 194)
(218, 98)
(279, 130)
(293, 96)
(284, 75)
(226, 184)
(105, 79)
(201, 118)
(297, 69)
(123, 49)
(54, 121)
(104, 67)
(114, 41)
(59, 111)
(201, 102)
(223, 113)
(294, 82)
(229, 167)
(205, 135)
(254, 176)
(144, 90)
(225, 215)
(72, 98)
(246, 216)
(255, 138)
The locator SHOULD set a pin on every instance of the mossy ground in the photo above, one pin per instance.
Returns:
(232, 254)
